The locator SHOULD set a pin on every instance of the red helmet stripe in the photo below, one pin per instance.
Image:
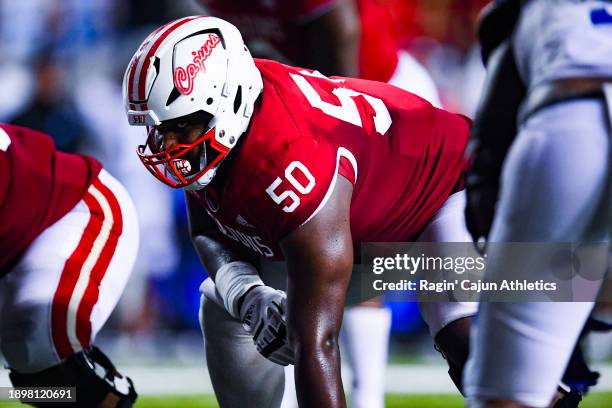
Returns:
(147, 60)
(136, 61)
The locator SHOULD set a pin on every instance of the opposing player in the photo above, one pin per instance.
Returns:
(285, 163)
(349, 38)
(68, 239)
(551, 59)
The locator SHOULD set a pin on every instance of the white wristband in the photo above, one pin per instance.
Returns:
(233, 280)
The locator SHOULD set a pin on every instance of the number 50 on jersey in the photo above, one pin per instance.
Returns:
(346, 111)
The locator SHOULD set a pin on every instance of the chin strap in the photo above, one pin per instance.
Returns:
(203, 180)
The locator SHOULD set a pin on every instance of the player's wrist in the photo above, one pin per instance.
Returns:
(233, 281)
(243, 299)
(257, 294)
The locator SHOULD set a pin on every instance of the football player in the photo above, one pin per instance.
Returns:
(283, 163)
(349, 38)
(68, 240)
(550, 72)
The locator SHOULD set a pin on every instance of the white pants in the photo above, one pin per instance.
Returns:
(555, 188)
(66, 284)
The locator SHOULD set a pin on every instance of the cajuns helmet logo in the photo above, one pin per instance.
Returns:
(184, 77)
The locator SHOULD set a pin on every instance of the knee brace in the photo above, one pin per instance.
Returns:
(91, 372)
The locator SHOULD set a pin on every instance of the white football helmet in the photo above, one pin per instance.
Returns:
(194, 65)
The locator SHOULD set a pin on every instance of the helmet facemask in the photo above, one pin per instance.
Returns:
(189, 163)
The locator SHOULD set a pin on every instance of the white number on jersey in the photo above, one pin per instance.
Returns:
(347, 110)
(5, 140)
(295, 199)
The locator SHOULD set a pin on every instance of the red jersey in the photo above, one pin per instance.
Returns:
(276, 24)
(38, 185)
(403, 156)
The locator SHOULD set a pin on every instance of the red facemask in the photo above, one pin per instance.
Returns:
(171, 168)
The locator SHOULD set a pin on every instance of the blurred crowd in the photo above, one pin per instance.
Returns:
(61, 71)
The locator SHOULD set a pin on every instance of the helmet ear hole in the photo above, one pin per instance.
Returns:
(238, 99)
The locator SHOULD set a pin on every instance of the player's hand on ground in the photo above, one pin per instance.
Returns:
(264, 315)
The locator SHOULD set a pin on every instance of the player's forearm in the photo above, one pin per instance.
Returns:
(317, 373)
(212, 254)
(234, 277)
(315, 317)
(316, 293)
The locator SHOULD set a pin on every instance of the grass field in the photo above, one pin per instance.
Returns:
(596, 400)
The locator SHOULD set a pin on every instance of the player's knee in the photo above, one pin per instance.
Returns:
(216, 323)
(201, 316)
(208, 313)
(20, 354)
(214, 337)
(453, 342)
(25, 345)
(92, 374)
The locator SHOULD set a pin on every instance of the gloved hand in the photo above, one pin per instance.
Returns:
(264, 315)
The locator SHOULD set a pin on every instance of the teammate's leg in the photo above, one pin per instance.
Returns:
(365, 330)
(553, 190)
(64, 288)
(241, 377)
(289, 393)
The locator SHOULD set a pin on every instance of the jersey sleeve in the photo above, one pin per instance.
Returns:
(294, 184)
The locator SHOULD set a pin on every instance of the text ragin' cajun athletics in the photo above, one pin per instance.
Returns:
(467, 285)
